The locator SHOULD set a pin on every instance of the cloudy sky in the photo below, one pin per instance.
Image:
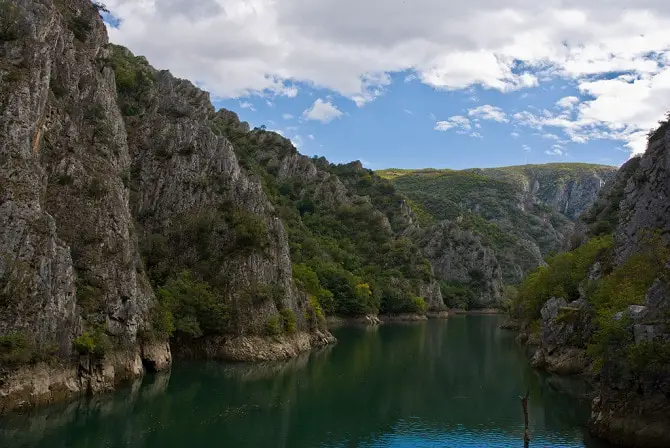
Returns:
(417, 83)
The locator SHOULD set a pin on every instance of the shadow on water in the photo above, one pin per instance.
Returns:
(451, 383)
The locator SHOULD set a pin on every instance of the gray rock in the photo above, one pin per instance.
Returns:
(551, 308)
(459, 256)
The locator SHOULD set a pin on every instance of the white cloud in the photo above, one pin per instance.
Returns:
(247, 105)
(556, 150)
(407, 111)
(476, 135)
(515, 134)
(567, 102)
(488, 112)
(458, 122)
(287, 116)
(622, 109)
(526, 148)
(550, 136)
(235, 48)
(322, 111)
(310, 136)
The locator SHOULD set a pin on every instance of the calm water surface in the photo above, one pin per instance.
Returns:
(450, 383)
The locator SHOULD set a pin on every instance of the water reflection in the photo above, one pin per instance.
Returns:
(451, 383)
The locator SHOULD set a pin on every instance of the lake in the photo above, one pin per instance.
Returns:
(441, 383)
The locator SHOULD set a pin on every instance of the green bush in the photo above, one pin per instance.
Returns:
(457, 295)
(419, 305)
(196, 308)
(562, 276)
(92, 342)
(314, 314)
(650, 356)
(272, 326)
(80, 27)
(288, 320)
(16, 349)
(97, 189)
(10, 21)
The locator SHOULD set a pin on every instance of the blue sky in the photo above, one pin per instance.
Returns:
(397, 130)
(427, 83)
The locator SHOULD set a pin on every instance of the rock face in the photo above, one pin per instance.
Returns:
(632, 408)
(102, 154)
(68, 253)
(458, 256)
(522, 213)
(565, 329)
(646, 204)
(183, 175)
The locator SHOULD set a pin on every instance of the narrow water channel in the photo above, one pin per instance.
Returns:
(443, 383)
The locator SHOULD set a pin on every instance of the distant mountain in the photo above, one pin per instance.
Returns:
(521, 213)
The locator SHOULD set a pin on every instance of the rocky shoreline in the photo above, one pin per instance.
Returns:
(51, 382)
(47, 383)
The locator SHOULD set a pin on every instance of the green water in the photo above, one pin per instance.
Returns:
(450, 383)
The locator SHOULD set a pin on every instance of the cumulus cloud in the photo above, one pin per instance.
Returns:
(488, 112)
(567, 102)
(458, 122)
(247, 105)
(239, 47)
(515, 134)
(556, 150)
(624, 108)
(322, 111)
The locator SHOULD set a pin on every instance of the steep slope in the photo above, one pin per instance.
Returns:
(522, 213)
(603, 307)
(346, 228)
(204, 223)
(70, 275)
(102, 152)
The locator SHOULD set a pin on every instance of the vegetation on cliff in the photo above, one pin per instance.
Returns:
(346, 240)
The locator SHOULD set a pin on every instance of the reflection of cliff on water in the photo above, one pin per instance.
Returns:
(38, 426)
(448, 382)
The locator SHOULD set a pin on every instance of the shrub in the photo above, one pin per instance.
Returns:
(197, 308)
(92, 342)
(314, 314)
(96, 189)
(419, 305)
(16, 349)
(288, 320)
(80, 27)
(272, 326)
(65, 179)
(10, 21)
(650, 356)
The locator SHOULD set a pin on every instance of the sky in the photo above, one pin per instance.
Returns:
(422, 83)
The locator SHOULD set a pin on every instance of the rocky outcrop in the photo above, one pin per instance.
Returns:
(646, 205)
(68, 252)
(255, 348)
(565, 330)
(632, 407)
(522, 212)
(102, 153)
(458, 256)
(432, 295)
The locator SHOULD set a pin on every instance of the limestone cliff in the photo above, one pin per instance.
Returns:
(633, 405)
(519, 215)
(602, 308)
(114, 183)
(69, 264)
